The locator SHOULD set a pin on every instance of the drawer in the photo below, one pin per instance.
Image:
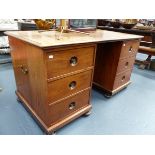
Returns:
(122, 79)
(129, 48)
(66, 61)
(125, 64)
(67, 107)
(69, 85)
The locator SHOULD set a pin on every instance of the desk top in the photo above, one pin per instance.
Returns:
(46, 39)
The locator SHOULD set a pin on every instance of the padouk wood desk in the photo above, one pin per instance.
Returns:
(54, 77)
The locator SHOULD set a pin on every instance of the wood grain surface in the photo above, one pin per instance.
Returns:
(48, 39)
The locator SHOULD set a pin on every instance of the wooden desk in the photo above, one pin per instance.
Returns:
(147, 44)
(54, 77)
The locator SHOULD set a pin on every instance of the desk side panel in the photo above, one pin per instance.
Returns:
(34, 85)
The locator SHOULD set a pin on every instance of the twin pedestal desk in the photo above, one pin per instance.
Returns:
(54, 77)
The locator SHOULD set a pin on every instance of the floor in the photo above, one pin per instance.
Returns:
(132, 111)
(5, 58)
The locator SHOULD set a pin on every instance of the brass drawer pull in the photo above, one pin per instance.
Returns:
(130, 49)
(126, 64)
(123, 78)
(72, 105)
(72, 85)
(73, 61)
(23, 69)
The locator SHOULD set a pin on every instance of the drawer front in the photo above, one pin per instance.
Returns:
(125, 64)
(66, 86)
(122, 79)
(66, 107)
(62, 62)
(129, 48)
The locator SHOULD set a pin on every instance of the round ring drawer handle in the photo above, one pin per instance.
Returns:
(123, 78)
(126, 64)
(73, 61)
(130, 49)
(72, 105)
(72, 85)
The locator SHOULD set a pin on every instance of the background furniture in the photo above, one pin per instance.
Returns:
(6, 25)
(4, 50)
(54, 77)
(83, 24)
(26, 26)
